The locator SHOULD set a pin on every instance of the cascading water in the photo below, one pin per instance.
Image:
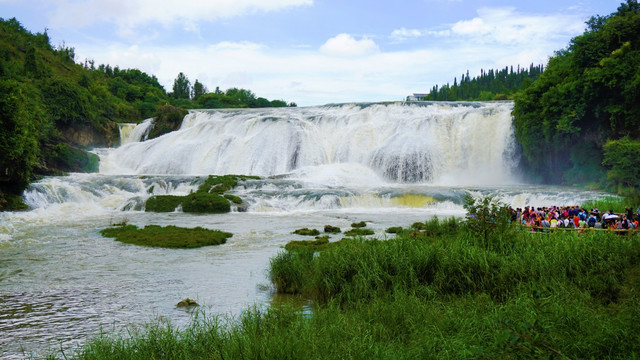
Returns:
(134, 132)
(450, 144)
(388, 164)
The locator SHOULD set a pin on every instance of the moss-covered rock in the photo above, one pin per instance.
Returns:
(307, 232)
(201, 202)
(394, 230)
(167, 118)
(222, 183)
(163, 203)
(360, 224)
(313, 245)
(331, 229)
(62, 158)
(12, 202)
(359, 232)
(234, 199)
(166, 237)
(187, 303)
(418, 226)
(208, 198)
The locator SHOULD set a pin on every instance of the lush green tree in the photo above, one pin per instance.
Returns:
(622, 158)
(198, 90)
(181, 87)
(589, 93)
(23, 125)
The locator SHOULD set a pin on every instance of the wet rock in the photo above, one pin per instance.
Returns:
(187, 303)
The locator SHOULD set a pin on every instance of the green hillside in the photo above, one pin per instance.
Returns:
(580, 121)
(52, 108)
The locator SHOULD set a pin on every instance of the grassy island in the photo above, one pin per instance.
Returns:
(171, 237)
(209, 198)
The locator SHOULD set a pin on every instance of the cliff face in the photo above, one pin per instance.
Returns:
(91, 136)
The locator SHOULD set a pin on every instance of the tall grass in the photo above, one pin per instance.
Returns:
(434, 293)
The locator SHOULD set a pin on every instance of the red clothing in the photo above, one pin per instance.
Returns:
(576, 221)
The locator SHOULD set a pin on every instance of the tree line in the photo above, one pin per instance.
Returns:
(498, 84)
(197, 96)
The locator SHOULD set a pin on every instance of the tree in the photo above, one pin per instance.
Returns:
(487, 219)
(181, 87)
(198, 90)
(622, 160)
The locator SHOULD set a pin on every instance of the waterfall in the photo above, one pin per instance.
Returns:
(130, 132)
(437, 143)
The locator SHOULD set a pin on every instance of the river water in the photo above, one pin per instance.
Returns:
(61, 282)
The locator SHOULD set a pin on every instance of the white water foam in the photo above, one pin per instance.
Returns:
(450, 143)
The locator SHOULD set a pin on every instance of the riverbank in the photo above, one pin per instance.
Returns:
(438, 292)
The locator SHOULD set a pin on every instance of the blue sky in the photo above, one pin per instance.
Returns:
(311, 52)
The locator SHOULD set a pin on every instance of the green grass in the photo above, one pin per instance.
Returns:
(359, 232)
(515, 295)
(171, 237)
(163, 203)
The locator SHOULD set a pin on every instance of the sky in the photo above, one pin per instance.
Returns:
(311, 52)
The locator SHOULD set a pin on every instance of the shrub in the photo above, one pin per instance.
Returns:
(201, 202)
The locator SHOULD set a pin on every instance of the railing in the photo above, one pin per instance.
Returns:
(548, 229)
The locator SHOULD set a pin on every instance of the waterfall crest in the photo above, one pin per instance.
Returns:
(439, 143)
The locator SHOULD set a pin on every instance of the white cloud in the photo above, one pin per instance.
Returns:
(507, 26)
(404, 33)
(353, 69)
(129, 14)
(345, 45)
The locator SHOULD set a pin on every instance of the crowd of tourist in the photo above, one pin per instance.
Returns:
(575, 217)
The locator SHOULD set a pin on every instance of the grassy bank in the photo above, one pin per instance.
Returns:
(438, 292)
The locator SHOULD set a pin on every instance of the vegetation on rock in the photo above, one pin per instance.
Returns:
(209, 198)
(307, 232)
(166, 237)
(360, 224)
(331, 229)
(359, 232)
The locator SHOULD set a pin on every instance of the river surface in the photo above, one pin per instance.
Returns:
(61, 282)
